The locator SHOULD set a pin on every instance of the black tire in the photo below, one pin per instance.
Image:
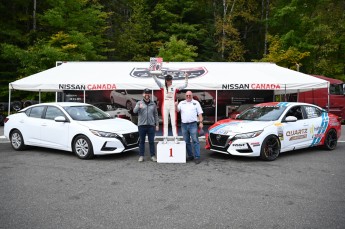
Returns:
(16, 105)
(82, 147)
(17, 140)
(270, 148)
(331, 140)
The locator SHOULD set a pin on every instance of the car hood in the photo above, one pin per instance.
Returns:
(233, 127)
(117, 125)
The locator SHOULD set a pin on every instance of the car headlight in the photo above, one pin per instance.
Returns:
(249, 135)
(104, 134)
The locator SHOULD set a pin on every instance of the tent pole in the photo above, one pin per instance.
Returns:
(84, 95)
(285, 94)
(216, 110)
(9, 102)
(274, 96)
(328, 105)
(39, 96)
(56, 95)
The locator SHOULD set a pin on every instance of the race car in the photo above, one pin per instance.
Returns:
(267, 129)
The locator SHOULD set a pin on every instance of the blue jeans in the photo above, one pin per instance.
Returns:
(150, 132)
(190, 130)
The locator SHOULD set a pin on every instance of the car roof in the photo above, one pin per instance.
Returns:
(60, 104)
(284, 104)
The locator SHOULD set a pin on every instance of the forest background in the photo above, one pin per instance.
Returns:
(304, 35)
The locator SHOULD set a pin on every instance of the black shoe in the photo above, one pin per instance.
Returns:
(197, 161)
(191, 158)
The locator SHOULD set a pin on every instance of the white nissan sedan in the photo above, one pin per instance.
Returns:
(76, 127)
(267, 129)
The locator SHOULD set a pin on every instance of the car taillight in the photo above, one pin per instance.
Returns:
(123, 116)
(6, 119)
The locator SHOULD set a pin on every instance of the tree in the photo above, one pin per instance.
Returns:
(72, 30)
(290, 58)
(177, 50)
(134, 41)
(313, 26)
(228, 13)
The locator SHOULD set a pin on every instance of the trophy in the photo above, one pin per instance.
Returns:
(156, 65)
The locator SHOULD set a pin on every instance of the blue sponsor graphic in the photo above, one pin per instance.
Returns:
(282, 104)
(322, 129)
(215, 129)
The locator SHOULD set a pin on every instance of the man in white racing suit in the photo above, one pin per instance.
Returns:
(168, 104)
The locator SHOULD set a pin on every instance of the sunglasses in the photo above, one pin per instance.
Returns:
(188, 95)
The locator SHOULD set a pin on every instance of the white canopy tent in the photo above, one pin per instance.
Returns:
(134, 75)
(209, 76)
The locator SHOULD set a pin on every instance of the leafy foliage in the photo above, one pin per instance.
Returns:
(178, 50)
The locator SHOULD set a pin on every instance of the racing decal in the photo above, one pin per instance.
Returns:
(321, 130)
(217, 129)
(240, 145)
(280, 133)
(334, 122)
(177, 74)
(296, 134)
(298, 137)
(254, 144)
(283, 104)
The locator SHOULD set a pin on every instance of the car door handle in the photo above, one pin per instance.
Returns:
(44, 124)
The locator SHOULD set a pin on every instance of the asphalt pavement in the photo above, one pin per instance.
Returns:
(44, 188)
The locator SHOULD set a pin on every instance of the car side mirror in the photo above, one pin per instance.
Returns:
(290, 119)
(60, 119)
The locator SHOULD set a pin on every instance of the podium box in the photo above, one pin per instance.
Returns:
(171, 152)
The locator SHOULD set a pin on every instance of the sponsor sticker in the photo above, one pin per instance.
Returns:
(240, 145)
(254, 144)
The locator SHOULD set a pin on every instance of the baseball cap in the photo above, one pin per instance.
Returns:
(147, 91)
(168, 77)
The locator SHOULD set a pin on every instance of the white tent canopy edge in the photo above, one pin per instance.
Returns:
(215, 76)
(203, 76)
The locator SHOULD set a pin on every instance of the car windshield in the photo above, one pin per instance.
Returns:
(86, 113)
(262, 113)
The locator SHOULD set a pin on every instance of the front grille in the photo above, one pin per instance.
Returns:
(219, 140)
(131, 138)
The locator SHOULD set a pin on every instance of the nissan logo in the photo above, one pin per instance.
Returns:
(131, 136)
(218, 137)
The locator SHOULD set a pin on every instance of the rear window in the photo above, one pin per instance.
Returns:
(312, 112)
(35, 112)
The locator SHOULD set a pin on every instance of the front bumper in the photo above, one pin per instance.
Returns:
(123, 143)
(240, 147)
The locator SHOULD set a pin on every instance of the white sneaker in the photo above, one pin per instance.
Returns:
(153, 158)
(176, 141)
(141, 159)
(165, 141)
